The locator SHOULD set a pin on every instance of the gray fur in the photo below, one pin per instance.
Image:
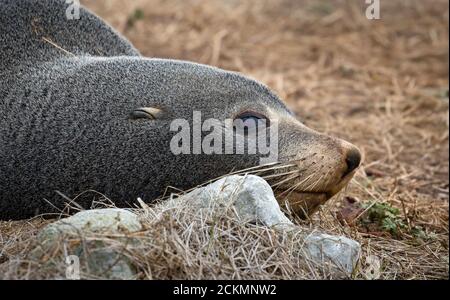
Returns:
(65, 122)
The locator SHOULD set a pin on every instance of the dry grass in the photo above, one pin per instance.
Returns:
(382, 85)
(181, 242)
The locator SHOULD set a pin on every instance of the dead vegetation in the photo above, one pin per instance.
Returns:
(180, 242)
(381, 84)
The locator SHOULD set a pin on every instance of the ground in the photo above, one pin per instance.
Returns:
(380, 84)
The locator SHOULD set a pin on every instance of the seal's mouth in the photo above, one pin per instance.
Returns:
(305, 203)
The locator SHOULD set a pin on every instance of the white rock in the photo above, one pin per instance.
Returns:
(101, 260)
(111, 220)
(340, 252)
(251, 196)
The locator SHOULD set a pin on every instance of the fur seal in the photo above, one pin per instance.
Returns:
(83, 110)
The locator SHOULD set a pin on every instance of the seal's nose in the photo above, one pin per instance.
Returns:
(352, 159)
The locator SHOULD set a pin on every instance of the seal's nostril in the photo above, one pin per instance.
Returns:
(353, 159)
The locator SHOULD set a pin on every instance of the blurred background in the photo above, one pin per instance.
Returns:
(381, 84)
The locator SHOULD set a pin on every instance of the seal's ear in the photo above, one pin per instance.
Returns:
(150, 113)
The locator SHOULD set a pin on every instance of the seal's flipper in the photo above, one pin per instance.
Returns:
(33, 31)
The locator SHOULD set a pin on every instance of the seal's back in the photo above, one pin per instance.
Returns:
(32, 31)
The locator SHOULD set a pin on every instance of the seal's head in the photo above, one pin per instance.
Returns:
(308, 167)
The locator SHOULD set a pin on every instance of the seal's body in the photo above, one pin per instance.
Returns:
(71, 98)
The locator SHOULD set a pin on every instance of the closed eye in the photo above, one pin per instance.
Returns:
(150, 113)
(251, 115)
(251, 119)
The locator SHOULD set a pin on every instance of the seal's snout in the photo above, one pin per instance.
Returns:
(352, 159)
(324, 169)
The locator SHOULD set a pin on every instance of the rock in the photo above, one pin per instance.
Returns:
(110, 220)
(254, 201)
(109, 264)
(101, 260)
(252, 197)
(341, 253)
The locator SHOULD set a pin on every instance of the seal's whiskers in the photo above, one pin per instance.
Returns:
(278, 175)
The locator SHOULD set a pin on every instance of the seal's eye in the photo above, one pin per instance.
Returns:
(253, 117)
(250, 120)
(150, 113)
